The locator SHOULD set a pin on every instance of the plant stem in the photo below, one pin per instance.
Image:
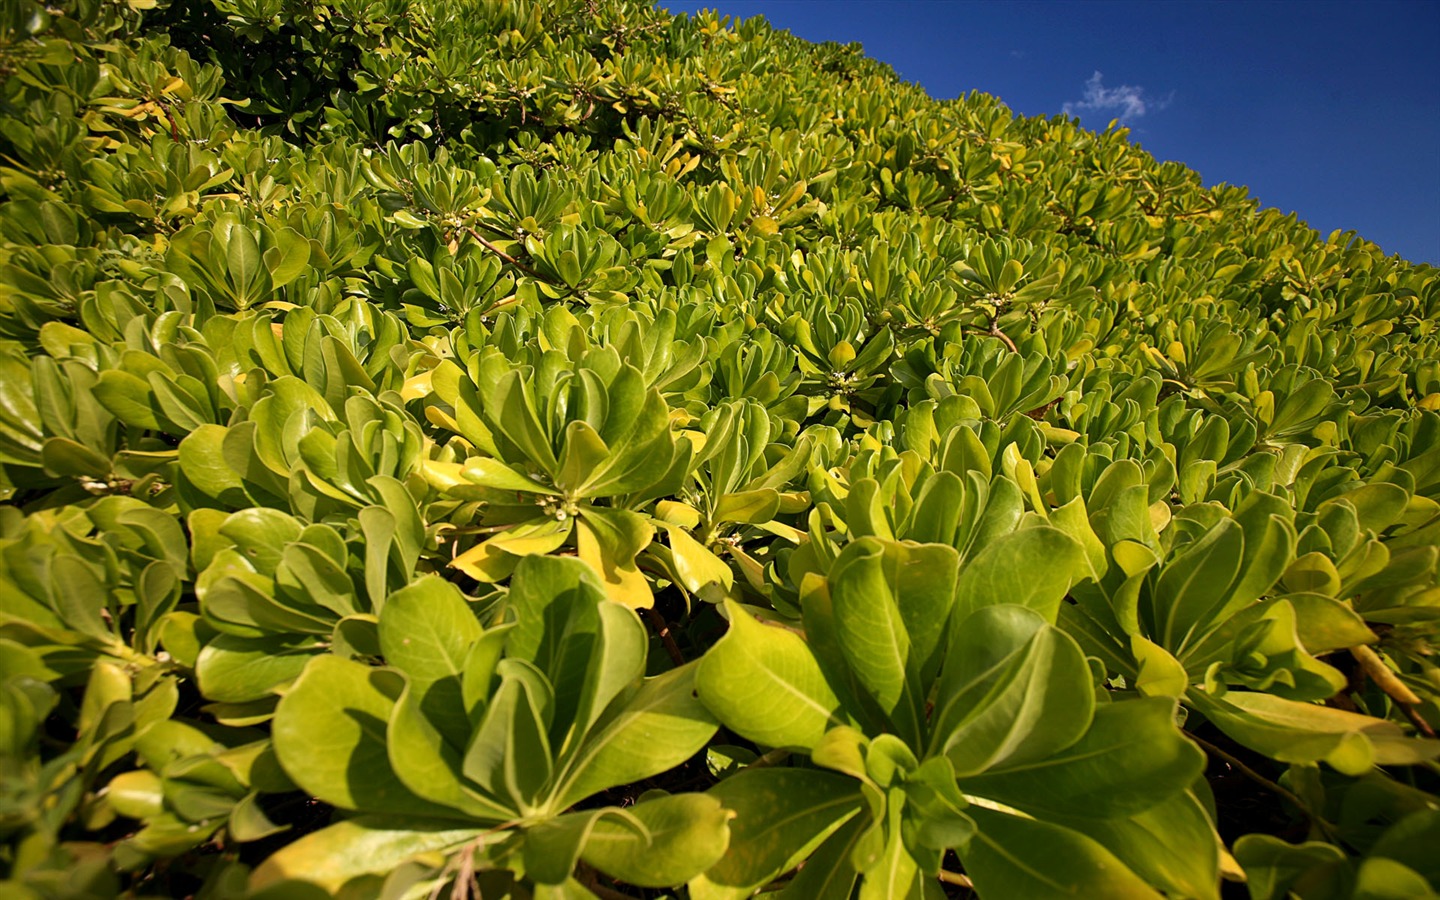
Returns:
(777, 755)
(1279, 790)
(592, 883)
(996, 332)
(666, 637)
(505, 256)
(956, 878)
(1385, 679)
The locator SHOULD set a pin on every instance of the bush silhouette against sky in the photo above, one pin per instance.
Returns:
(1330, 110)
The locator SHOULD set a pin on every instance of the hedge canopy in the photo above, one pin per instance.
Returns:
(558, 449)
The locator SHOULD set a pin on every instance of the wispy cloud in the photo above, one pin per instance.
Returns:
(1127, 101)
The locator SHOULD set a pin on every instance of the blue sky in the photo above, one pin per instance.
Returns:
(1328, 109)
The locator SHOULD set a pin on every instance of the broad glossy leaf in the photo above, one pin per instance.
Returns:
(1015, 857)
(1195, 583)
(429, 764)
(1033, 567)
(1172, 845)
(492, 473)
(330, 857)
(309, 576)
(516, 418)
(781, 815)
(581, 460)
(234, 669)
(1015, 690)
(1411, 841)
(1325, 624)
(696, 567)
(426, 631)
(1132, 758)
(1296, 732)
(260, 535)
(830, 873)
(509, 754)
(748, 507)
(1273, 866)
(763, 683)
(496, 559)
(293, 256)
(687, 833)
(588, 654)
(894, 873)
(62, 457)
(552, 847)
(1160, 674)
(1379, 878)
(656, 728)
(329, 733)
(873, 636)
(243, 258)
(608, 540)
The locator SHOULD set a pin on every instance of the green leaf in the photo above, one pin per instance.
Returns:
(1015, 690)
(552, 847)
(659, 726)
(685, 835)
(1295, 732)
(1195, 584)
(1172, 845)
(243, 263)
(608, 541)
(248, 822)
(1034, 568)
(234, 669)
(1272, 866)
(310, 576)
(329, 734)
(260, 535)
(509, 754)
(696, 567)
(748, 507)
(1132, 757)
(1160, 675)
(1015, 857)
(1411, 841)
(292, 258)
(127, 397)
(1326, 624)
(1385, 879)
(426, 631)
(893, 874)
(763, 683)
(518, 421)
(589, 656)
(873, 635)
(332, 856)
(137, 795)
(202, 460)
(65, 458)
(492, 473)
(781, 815)
(429, 764)
(581, 459)
(830, 873)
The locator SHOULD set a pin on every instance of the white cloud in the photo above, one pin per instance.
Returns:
(1127, 101)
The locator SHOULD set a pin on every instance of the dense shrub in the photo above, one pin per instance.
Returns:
(546, 449)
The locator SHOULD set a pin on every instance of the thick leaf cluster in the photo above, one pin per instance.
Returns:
(549, 449)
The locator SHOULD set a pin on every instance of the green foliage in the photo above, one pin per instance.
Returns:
(552, 449)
